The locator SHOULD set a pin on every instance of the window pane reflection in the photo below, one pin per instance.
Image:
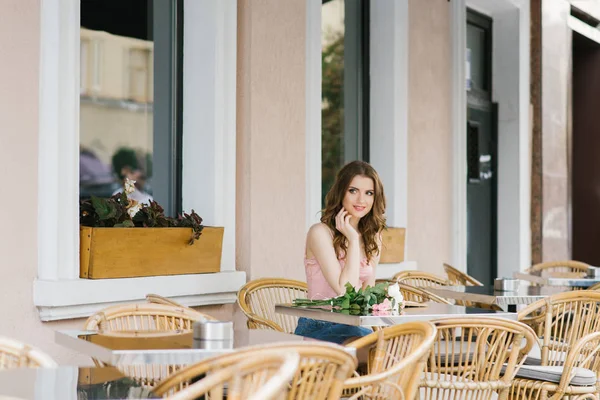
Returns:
(332, 108)
(116, 110)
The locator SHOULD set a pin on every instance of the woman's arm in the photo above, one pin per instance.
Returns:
(320, 243)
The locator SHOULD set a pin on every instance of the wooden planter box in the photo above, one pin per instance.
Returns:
(392, 249)
(134, 252)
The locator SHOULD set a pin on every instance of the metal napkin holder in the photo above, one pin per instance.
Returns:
(212, 335)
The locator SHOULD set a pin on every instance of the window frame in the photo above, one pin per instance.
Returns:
(208, 123)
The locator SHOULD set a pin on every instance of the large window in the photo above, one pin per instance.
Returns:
(210, 86)
(345, 85)
(130, 111)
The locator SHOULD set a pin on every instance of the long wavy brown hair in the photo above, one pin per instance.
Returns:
(371, 224)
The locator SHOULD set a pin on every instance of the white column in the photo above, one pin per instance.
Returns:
(58, 168)
(209, 130)
(389, 104)
(389, 113)
(459, 134)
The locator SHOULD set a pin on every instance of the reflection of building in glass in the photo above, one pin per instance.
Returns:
(116, 93)
(332, 114)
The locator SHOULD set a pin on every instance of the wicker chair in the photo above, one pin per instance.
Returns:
(258, 378)
(322, 371)
(456, 277)
(585, 354)
(158, 299)
(415, 294)
(257, 300)
(562, 322)
(145, 319)
(420, 279)
(420, 295)
(475, 358)
(396, 362)
(564, 318)
(14, 354)
(567, 268)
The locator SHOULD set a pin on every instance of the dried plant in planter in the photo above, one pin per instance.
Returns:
(119, 211)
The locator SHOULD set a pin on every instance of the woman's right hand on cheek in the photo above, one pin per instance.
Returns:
(342, 224)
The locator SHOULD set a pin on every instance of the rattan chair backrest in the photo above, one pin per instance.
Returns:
(260, 378)
(420, 279)
(322, 370)
(475, 356)
(257, 301)
(563, 319)
(564, 268)
(420, 295)
(15, 354)
(144, 317)
(396, 361)
(144, 320)
(456, 277)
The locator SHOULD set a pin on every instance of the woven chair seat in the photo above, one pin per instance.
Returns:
(451, 382)
(534, 357)
(581, 376)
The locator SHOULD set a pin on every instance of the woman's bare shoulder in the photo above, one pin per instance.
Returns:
(320, 230)
(319, 237)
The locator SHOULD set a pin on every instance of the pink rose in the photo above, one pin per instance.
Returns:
(386, 305)
(381, 312)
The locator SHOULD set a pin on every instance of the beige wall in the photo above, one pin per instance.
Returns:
(19, 43)
(270, 214)
(429, 237)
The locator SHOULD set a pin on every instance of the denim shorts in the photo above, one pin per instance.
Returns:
(329, 331)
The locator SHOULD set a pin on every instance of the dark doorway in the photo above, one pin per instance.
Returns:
(481, 151)
(586, 150)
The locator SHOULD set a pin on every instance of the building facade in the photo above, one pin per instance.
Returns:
(250, 104)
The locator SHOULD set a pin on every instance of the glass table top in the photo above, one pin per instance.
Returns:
(429, 312)
(165, 348)
(487, 295)
(583, 282)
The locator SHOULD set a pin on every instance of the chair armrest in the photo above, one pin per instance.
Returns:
(590, 341)
(256, 319)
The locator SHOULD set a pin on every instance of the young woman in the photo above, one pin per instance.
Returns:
(345, 246)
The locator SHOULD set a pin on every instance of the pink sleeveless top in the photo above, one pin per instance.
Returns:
(318, 288)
